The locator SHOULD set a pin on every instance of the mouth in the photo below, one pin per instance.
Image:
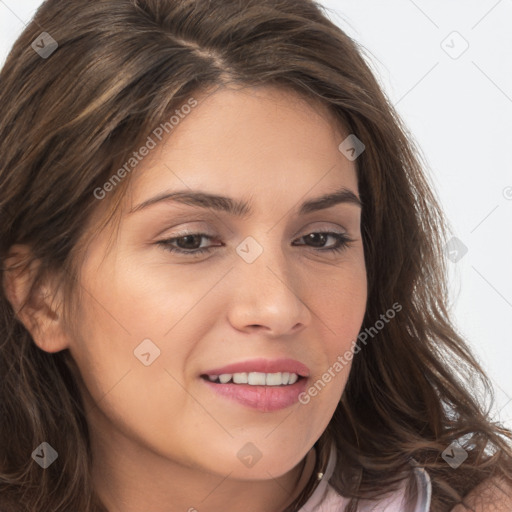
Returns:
(259, 372)
(255, 378)
(260, 384)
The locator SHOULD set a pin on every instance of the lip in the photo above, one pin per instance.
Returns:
(261, 398)
(263, 365)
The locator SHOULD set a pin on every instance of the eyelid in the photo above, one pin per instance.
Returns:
(323, 226)
(200, 226)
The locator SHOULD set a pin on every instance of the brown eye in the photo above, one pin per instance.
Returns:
(188, 243)
(318, 240)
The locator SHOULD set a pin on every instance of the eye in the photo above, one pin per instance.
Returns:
(190, 243)
(187, 244)
(342, 241)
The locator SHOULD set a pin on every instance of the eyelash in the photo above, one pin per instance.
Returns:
(342, 243)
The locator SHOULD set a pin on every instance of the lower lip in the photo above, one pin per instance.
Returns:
(261, 398)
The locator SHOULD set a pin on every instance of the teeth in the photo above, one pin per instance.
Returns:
(273, 379)
(256, 378)
(240, 378)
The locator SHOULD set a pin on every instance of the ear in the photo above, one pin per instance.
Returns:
(41, 312)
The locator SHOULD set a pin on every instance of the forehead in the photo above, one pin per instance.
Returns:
(253, 139)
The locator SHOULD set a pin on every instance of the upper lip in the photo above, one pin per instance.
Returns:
(263, 366)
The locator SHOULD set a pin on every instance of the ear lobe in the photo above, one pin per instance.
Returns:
(41, 311)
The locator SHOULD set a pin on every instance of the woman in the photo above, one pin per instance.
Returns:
(223, 279)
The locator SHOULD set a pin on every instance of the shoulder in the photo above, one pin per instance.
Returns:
(492, 495)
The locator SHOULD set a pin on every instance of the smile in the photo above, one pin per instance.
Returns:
(256, 378)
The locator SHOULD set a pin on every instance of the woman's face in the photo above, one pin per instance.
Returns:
(268, 296)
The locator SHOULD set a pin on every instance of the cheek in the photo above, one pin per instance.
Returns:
(133, 375)
(136, 326)
(340, 304)
(338, 301)
(153, 299)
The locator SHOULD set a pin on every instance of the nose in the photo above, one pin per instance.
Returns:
(266, 295)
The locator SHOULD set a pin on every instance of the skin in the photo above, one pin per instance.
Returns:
(162, 440)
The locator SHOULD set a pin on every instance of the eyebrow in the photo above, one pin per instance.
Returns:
(242, 208)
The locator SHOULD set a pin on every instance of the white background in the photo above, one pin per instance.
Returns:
(458, 106)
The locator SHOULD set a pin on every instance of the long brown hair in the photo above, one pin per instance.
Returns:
(71, 117)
